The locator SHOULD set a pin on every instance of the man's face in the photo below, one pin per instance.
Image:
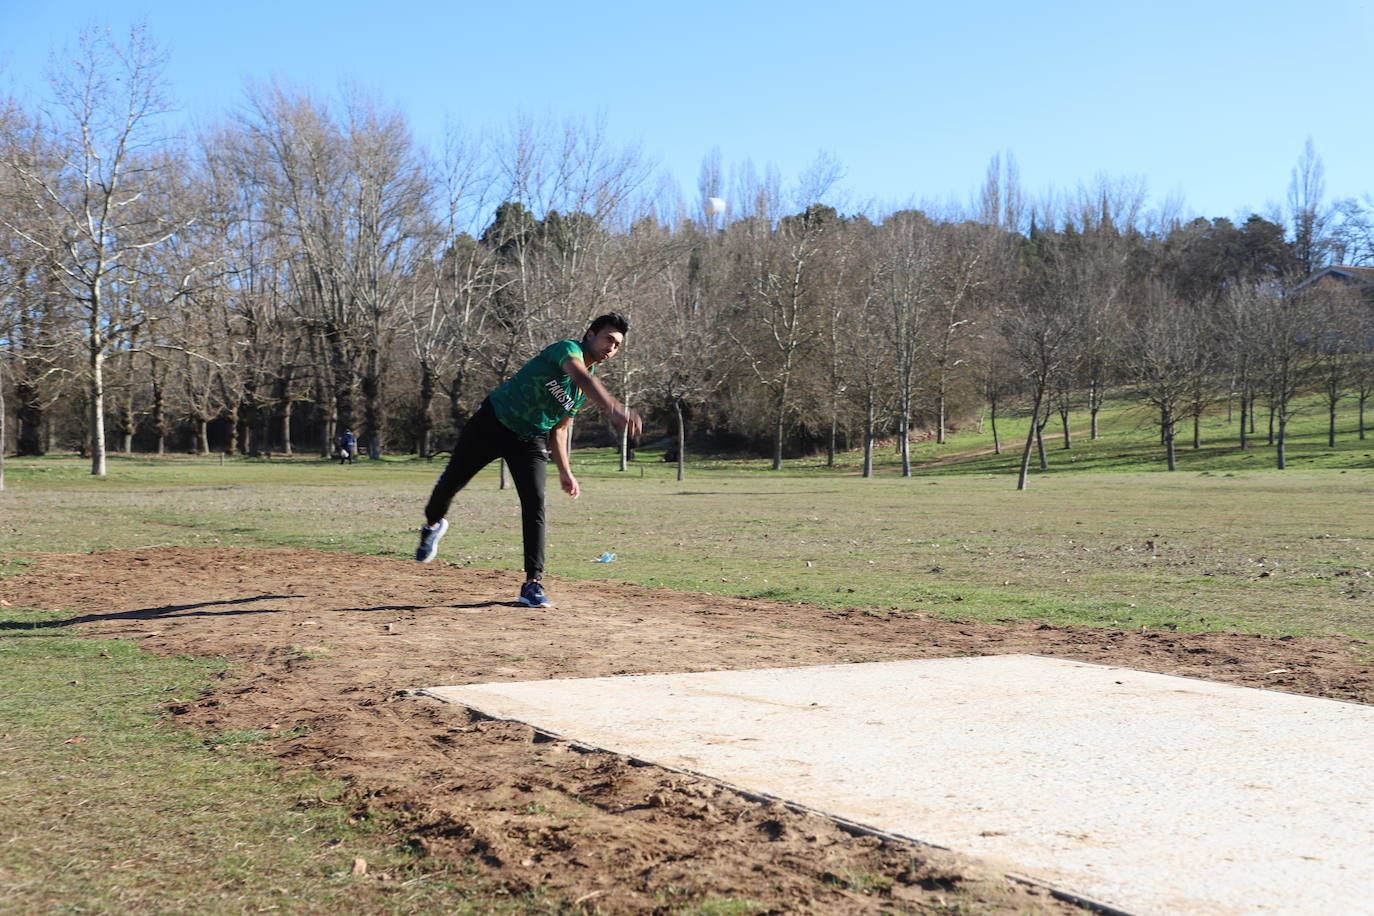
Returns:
(604, 344)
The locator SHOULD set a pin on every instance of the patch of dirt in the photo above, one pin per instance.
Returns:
(332, 642)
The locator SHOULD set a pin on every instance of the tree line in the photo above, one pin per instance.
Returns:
(303, 265)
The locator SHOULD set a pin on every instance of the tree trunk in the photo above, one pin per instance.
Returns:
(1280, 454)
(1331, 420)
(232, 446)
(286, 407)
(127, 421)
(372, 405)
(1040, 424)
(262, 432)
(1031, 435)
(940, 409)
(97, 406)
(904, 442)
(1245, 407)
(681, 440)
(1168, 423)
(203, 435)
(834, 430)
(2, 432)
(779, 427)
(159, 412)
(29, 413)
(330, 434)
(1363, 398)
(160, 423)
(1094, 405)
(342, 378)
(992, 420)
(424, 421)
(868, 436)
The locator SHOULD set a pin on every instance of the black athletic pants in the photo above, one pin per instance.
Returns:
(482, 441)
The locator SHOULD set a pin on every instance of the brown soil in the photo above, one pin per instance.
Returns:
(333, 643)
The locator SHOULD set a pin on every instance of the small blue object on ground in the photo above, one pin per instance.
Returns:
(604, 558)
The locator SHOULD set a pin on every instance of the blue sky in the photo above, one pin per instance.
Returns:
(1208, 100)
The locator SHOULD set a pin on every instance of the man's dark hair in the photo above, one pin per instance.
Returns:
(614, 319)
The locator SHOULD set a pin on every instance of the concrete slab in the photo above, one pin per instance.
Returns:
(1150, 793)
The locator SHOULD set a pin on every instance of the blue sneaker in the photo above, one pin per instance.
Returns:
(429, 541)
(532, 595)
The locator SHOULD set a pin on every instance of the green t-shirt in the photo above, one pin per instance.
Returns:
(532, 401)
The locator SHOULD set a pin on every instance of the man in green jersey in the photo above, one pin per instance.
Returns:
(523, 420)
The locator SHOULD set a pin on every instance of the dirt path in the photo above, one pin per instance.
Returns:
(332, 642)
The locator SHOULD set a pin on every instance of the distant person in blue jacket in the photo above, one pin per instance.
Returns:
(348, 446)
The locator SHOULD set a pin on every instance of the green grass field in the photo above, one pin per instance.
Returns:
(1226, 541)
(109, 810)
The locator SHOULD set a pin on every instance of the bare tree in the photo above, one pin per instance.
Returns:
(37, 323)
(1352, 235)
(843, 314)
(1283, 328)
(196, 351)
(1099, 300)
(1240, 349)
(297, 158)
(995, 370)
(388, 191)
(681, 329)
(965, 256)
(11, 256)
(773, 320)
(866, 350)
(1166, 359)
(1362, 378)
(447, 331)
(1039, 331)
(243, 231)
(652, 259)
(909, 270)
(1338, 336)
(1000, 202)
(447, 323)
(104, 194)
(1309, 216)
(580, 190)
